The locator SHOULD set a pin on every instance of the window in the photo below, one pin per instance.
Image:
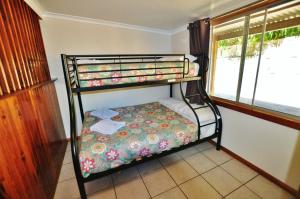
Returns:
(256, 59)
(227, 57)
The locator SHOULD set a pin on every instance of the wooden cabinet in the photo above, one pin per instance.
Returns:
(32, 138)
(31, 151)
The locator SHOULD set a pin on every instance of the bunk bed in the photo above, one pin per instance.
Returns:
(152, 130)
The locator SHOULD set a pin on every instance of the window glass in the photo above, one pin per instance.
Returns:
(256, 25)
(278, 85)
(227, 49)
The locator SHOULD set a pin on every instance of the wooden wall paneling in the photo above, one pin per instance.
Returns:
(28, 134)
(3, 81)
(31, 131)
(14, 43)
(18, 31)
(7, 59)
(9, 178)
(34, 19)
(18, 153)
(25, 44)
(41, 154)
(34, 58)
(23, 54)
(33, 16)
(12, 50)
(49, 131)
(38, 60)
(1, 92)
(32, 51)
(42, 70)
(30, 155)
(45, 68)
(41, 46)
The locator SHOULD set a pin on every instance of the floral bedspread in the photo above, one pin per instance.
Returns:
(152, 74)
(150, 128)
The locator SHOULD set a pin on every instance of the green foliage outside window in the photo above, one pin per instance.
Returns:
(271, 38)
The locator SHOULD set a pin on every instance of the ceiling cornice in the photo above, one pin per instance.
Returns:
(36, 6)
(179, 29)
(110, 23)
(39, 9)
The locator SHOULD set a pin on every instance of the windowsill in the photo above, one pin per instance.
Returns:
(279, 118)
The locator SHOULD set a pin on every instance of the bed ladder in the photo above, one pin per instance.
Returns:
(207, 104)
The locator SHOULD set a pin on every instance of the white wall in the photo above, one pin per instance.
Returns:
(271, 147)
(72, 37)
(180, 42)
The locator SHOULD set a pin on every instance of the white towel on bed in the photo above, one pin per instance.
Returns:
(104, 113)
(107, 126)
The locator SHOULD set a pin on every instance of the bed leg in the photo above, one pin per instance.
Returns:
(82, 190)
(218, 145)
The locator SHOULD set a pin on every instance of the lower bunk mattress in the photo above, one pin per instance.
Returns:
(150, 129)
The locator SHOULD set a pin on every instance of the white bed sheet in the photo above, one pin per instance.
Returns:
(205, 115)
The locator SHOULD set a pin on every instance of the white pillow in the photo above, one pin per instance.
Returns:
(191, 57)
(205, 115)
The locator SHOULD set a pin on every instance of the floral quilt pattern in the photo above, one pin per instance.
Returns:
(150, 128)
(132, 70)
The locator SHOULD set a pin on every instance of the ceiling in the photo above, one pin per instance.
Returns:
(160, 14)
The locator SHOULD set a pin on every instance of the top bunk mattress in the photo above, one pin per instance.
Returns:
(110, 74)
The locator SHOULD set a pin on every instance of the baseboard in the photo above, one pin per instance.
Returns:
(259, 170)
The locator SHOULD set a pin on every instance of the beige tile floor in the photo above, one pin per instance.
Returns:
(198, 172)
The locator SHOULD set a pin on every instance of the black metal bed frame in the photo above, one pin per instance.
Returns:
(72, 80)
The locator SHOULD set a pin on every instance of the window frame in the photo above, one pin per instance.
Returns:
(285, 119)
(259, 112)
